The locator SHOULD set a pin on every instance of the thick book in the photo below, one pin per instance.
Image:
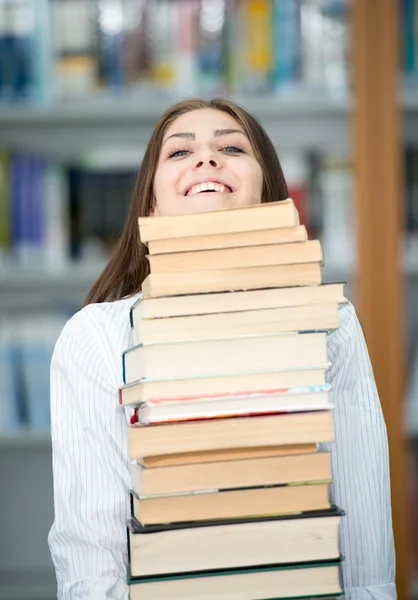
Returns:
(156, 285)
(250, 322)
(282, 235)
(284, 400)
(204, 357)
(235, 432)
(254, 217)
(249, 472)
(272, 582)
(205, 456)
(235, 258)
(231, 503)
(145, 390)
(231, 302)
(312, 536)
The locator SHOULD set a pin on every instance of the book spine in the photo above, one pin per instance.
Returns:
(56, 239)
(36, 345)
(41, 53)
(110, 22)
(287, 44)
(211, 46)
(409, 37)
(22, 20)
(10, 406)
(5, 205)
(5, 34)
(75, 48)
(161, 37)
(258, 16)
(185, 46)
(19, 205)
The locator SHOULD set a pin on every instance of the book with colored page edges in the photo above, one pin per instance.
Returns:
(258, 402)
(226, 386)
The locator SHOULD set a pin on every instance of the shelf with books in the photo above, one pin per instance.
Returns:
(292, 122)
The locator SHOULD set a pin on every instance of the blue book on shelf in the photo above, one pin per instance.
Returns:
(36, 205)
(21, 213)
(287, 43)
(21, 19)
(409, 42)
(111, 45)
(41, 54)
(36, 358)
(37, 341)
(10, 400)
(35, 355)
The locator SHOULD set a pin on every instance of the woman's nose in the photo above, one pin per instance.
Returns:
(208, 158)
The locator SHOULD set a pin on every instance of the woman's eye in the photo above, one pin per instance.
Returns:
(176, 153)
(232, 149)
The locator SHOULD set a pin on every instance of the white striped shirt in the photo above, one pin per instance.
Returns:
(91, 463)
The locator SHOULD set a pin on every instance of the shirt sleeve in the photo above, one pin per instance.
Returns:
(360, 466)
(88, 540)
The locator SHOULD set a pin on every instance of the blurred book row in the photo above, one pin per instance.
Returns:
(26, 346)
(51, 214)
(58, 49)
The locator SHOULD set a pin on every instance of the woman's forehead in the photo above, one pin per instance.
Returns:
(204, 119)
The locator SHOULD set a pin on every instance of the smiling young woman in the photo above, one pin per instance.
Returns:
(202, 156)
(194, 141)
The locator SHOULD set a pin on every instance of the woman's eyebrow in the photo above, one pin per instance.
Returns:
(188, 136)
(192, 136)
(219, 132)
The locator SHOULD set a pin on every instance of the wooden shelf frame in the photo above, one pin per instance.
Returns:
(377, 150)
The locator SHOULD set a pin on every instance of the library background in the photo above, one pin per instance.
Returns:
(82, 83)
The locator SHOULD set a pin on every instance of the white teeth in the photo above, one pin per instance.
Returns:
(203, 187)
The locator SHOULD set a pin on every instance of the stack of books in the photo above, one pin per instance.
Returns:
(226, 378)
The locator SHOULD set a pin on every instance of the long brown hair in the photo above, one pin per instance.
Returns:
(128, 265)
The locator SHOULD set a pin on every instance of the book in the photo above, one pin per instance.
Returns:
(227, 356)
(285, 400)
(307, 537)
(249, 322)
(265, 583)
(235, 258)
(191, 458)
(254, 217)
(223, 280)
(230, 302)
(282, 235)
(144, 390)
(236, 432)
(271, 470)
(230, 504)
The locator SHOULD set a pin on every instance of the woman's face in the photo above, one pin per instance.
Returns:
(206, 163)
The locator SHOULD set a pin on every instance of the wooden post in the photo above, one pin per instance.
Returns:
(379, 200)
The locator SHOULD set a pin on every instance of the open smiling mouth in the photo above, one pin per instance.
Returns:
(208, 187)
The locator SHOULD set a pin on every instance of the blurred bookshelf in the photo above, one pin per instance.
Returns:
(296, 122)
